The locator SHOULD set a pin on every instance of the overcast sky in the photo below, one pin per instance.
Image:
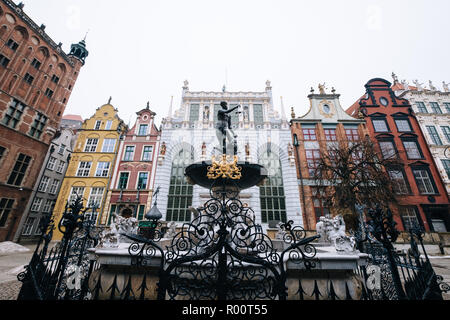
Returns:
(142, 50)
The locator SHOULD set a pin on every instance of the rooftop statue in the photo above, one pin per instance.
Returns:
(322, 88)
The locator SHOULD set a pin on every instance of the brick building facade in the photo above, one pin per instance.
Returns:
(421, 195)
(36, 80)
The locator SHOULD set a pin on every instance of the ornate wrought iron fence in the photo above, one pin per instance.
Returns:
(62, 271)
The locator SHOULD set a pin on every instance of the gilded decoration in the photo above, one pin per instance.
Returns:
(224, 168)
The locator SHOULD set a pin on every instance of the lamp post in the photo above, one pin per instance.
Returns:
(296, 145)
(153, 216)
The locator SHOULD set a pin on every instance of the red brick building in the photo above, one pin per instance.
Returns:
(324, 125)
(132, 182)
(421, 195)
(36, 80)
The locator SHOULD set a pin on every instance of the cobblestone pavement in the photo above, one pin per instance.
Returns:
(442, 268)
(9, 290)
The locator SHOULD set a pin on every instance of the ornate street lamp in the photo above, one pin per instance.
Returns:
(153, 216)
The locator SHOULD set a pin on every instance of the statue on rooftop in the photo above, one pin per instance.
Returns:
(322, 88)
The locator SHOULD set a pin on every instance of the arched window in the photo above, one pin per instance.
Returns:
(273, 202)
(180, 192)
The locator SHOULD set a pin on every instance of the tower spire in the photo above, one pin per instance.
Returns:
(170, 108)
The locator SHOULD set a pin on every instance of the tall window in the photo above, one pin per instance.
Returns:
(320, 203)
(5, 208)
(193, 116)
(38, 125)
(352, 134)
(399, 182)
(12, 44)
(84, 168)
(18, 172)
(143, 129)
(402, 125)
(447, 106)
(108, 125)
(108, 145)
(98, 123)
(62, 147)
(330, 134)
(258, 115)
(60, 167)
(312, 160)
(36, 206)
(28, 226)
(123, 180)
(55, 79)
(48, 92)
(51, 163)
(44, 184)
(412, 149)
(435, 107)
(273, 202)
(446, 132)
(387, 149)
(75, 193)
(421, 107)
(424, 182)
(147, 154)
(102, 169)
(91, 145)
(28, 78)
(2, 152)
(48, 206)
(95, 198)
(180, 192)
(142, 180)
(446, 164)
(129, 152)
(4, 61)
(434, 135)
(409, 217)
(380, 125)
(36, 64)
(14, 113)
(309, 134)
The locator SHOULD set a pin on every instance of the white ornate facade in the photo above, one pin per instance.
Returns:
(189, 135)
(432, 109)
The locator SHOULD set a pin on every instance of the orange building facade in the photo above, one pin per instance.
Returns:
(421, 195)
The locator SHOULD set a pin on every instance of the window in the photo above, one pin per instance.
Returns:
(435, 107)
(320, 203)
(434, 135)
(38, 126)
(129, 152)
(48, 206)
(143, 129)
(55, 79)
(424, 182)
(402, 125)
(123, 180)
(412, 149)
(48, 92)
(28, 226)
(141, 212)
(421, 107)
(28, 78)
(36, 206)
(193, 116)
(75, 193)
(446, 105)
(352, 134)
(180, 192)
(387, 149)
(91, 145)
(18, 172)
(272, 198)
(142, 180)
(399, 182)
(234, 116)
(62, 147)
(36, 64)
(258, 116)
(102, 169)
(51, 163)
(2, 152)
(95, 198)
(108, 145)
(446, 132)
(5, 209)
(108, 125)
(309, 134)
(14, 113)
(330, 134)
(84, 168)
(446, 164)
(4, 61)
(54, 187)
(380, 125)
(43, 184)
(60, 167)
(312, 160)
(12, 44)
(98, 123)
(409, 217)
(147, 154)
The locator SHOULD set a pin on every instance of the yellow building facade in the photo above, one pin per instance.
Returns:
(92, 164)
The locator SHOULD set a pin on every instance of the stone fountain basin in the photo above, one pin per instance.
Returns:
(252, 175)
